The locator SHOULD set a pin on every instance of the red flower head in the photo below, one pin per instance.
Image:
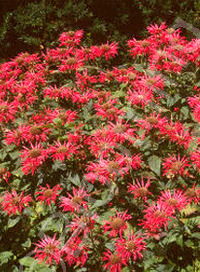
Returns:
(114, 261)
(193, 194)
(140, 189)
(34, 157)
(177, 200)
(4, 174)
(117, 224)
(74, 202)
(62, 151)
(76, 251)
(70, 38)
(156, 216)
(175, 166)
(48, 195)
(83, 224)
(13, 203)
(131, 247)
(48, 249)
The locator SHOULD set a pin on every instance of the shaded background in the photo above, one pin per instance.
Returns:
(27, 24)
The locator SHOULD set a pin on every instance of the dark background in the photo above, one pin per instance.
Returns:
(27, 24)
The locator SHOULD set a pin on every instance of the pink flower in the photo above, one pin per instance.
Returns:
(107, 50)
(108, 110)
(13, 203)
(151, 122)
(48, 195)
(138, 48)
(195, 157)
(48, 249)
(140, 97)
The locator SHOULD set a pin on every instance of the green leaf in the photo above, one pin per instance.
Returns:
(5, 257)
(27, 261)
(33, 265)
(13, 222)
(196, 235)
(3, 154)
(179, 240)
(185, 112)
(154, 164)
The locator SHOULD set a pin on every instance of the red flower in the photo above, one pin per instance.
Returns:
(114, 261)
(107, 50)
(7, 111)
(70, 38)
(108, 110)
(140, 97)
(76, 251)
(195, 157)
(71, 63)
(156, 29)
(101, 146)
(17, 136)
(156, 216)
(48, 195)
(131, 247)
(140, 47)
(175, 166)
(74, 202)
(121, 132)
(193, 194)
(13, 203)
(117, 224)
(4, 174)
(152, 83)
(140, 189)
(177, 133)
(48, 249)
(150, 122)
(178, 200)
(62, 151)
(37, 132)
(83, 224)
(34, 157)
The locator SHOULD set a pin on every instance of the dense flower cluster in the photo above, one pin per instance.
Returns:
(114, 152)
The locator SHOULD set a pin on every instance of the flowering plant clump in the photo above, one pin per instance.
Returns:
(99, 164)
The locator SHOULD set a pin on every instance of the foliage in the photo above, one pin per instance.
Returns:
(100, 165)
(29, 25)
